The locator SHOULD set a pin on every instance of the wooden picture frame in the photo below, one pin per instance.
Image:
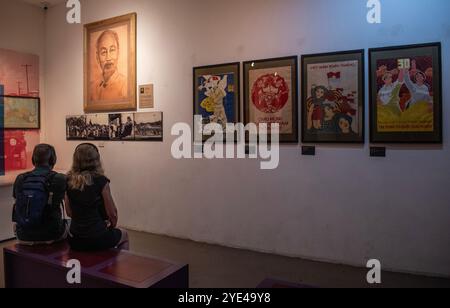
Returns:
(110, 65)
(149, 126)
(406, 94)
(123, 127)
(281, 106)
(22, 112)
(226, 78)
(76, 127)
(333, 97)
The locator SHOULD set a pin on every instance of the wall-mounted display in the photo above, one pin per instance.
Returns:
(333, 97)
(19, 146)
(21, 112)
(19, 73)
(110, 64)
(271, 95)
(406, 94)
(76, 127)
(148, 126)
(217, 94)
(146, 96)
(121, 126)
(116, 127)
(97, 126)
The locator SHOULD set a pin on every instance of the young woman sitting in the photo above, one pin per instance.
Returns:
(90, 204)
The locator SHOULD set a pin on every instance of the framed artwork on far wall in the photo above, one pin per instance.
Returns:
(97, 126)
(76, 127)
(21, 112)
(333, 97)
(148, 126)
(217, 94)
(110, 65)
(271, 95)
(406, 94)
(121, 126)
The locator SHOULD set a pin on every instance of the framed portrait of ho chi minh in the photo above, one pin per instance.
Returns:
(271, 95)
(110, 65)
(406, 94)
(333, 97)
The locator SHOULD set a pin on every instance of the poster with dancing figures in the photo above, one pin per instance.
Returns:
(406, 94)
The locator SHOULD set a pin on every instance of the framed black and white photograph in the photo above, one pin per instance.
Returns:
(121, 126)
(97, 127)
(76, 127)
(148, 126)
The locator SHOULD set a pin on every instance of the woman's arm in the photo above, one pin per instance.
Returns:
(110, 206)
(67, 206)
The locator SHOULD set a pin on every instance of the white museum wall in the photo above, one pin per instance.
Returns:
(340, 206)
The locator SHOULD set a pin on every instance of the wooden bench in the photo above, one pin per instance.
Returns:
(270, 283)
(45, 267)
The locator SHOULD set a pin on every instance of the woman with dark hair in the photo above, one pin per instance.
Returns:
(90, 204)
(38, 195)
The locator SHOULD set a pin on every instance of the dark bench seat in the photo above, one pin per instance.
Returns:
(270, 283)
(45, 267)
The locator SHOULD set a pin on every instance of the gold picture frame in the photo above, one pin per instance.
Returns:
(109, 72)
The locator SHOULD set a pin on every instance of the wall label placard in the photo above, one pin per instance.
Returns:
(146, 96)
(377, 152)
(308, 151)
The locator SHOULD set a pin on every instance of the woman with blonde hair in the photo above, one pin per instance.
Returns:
(90, 204)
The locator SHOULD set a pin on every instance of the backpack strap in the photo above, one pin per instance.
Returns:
(48, 183)
(50, 177)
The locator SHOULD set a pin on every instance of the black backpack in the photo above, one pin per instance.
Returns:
(32, 200)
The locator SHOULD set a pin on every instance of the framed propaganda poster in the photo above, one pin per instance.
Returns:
(271, 95)
(406, 94)
(110, 65)
(217, 94)
(333, 97)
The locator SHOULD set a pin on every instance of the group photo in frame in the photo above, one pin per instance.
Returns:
(140, 126)
(110, 65)
(333, 97)
(271, 95)
(406, 94)
(217, 95)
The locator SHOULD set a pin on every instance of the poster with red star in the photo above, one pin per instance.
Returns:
(271, 95)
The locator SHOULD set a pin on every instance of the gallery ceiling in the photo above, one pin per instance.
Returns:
(42, 3)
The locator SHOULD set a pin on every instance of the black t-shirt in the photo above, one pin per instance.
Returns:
(88, 209)
(52, 226)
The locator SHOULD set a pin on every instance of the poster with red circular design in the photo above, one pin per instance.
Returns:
(270, 93)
